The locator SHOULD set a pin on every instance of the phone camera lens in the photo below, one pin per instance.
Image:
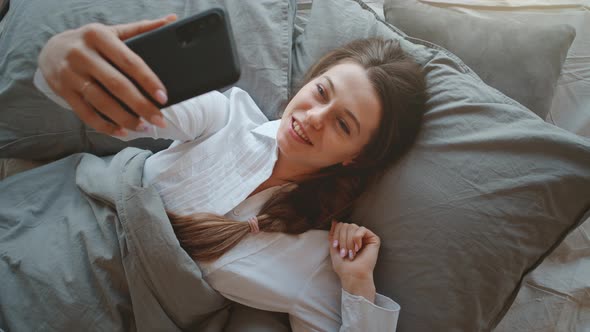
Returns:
(186, 35)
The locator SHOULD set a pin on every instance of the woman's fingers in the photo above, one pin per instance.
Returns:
(349, 239)
(133, 65)
(96, 97)
(370, 238)
(101, 64)
(81, 106)
(350, 230)
(332, 227)
(88, 115)
(355, 239)
(128, 30)
(336, 235)
(106, 105)
(113, 80)
(343, 240)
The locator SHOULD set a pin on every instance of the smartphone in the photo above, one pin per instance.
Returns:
(191, 56)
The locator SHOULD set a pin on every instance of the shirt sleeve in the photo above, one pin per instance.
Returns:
(185, 121)
(343, 311)
(359, 314)
(294, 275)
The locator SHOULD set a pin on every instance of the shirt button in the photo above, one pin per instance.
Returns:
(236, 212)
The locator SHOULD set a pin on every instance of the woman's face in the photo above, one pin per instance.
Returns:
(330, 119)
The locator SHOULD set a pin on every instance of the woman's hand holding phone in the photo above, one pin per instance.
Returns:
(75, 62)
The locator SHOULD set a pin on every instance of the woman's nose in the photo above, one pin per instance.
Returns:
(316, 117)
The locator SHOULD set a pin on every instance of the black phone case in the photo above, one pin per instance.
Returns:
(191, 56)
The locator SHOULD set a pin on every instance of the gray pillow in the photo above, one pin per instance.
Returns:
(521, 60)
(33, 127)
(488, 191)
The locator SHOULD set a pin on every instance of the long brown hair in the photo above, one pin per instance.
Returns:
(312, 203)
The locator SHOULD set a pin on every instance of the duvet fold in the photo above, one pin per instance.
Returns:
(85, 245)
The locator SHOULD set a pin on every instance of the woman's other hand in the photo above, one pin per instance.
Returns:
(74, 61)
(354, 251)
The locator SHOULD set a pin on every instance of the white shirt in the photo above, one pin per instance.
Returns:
(225, 148)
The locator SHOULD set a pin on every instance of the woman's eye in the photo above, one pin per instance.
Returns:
(344, 127)
(321, 91)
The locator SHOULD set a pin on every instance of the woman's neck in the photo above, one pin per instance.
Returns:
(287, 171)
(282, 173)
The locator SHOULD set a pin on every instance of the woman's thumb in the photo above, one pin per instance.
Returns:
(128, 30)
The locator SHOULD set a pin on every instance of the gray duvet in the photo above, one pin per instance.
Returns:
(85, 246)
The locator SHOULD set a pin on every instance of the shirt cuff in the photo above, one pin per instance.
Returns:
(42, 85)
(359, 314)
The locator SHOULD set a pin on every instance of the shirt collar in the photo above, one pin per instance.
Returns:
(268, 129)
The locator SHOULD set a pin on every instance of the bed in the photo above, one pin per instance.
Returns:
(460, 253)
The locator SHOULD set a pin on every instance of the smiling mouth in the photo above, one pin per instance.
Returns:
(299, 131)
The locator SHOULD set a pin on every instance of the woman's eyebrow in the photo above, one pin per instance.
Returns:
(349, 112)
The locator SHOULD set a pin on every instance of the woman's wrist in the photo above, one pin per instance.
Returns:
(361, 286)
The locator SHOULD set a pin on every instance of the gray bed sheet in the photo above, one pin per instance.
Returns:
(85, 246)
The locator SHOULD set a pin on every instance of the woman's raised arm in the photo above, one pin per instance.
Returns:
(74, 62)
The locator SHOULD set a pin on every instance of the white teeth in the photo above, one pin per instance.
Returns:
(299, 132)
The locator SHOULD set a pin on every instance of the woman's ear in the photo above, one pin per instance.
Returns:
(351, 160)
(348, 162)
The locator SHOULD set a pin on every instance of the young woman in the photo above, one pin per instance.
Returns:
(237, 187)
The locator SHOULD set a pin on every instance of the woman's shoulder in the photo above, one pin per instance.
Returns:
(243, 107)
(312, 246)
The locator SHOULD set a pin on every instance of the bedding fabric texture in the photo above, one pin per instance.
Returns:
(571, 99)
(488, 191)
(85, 246)
(523, 61)
(33, 127)
(553, 297)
